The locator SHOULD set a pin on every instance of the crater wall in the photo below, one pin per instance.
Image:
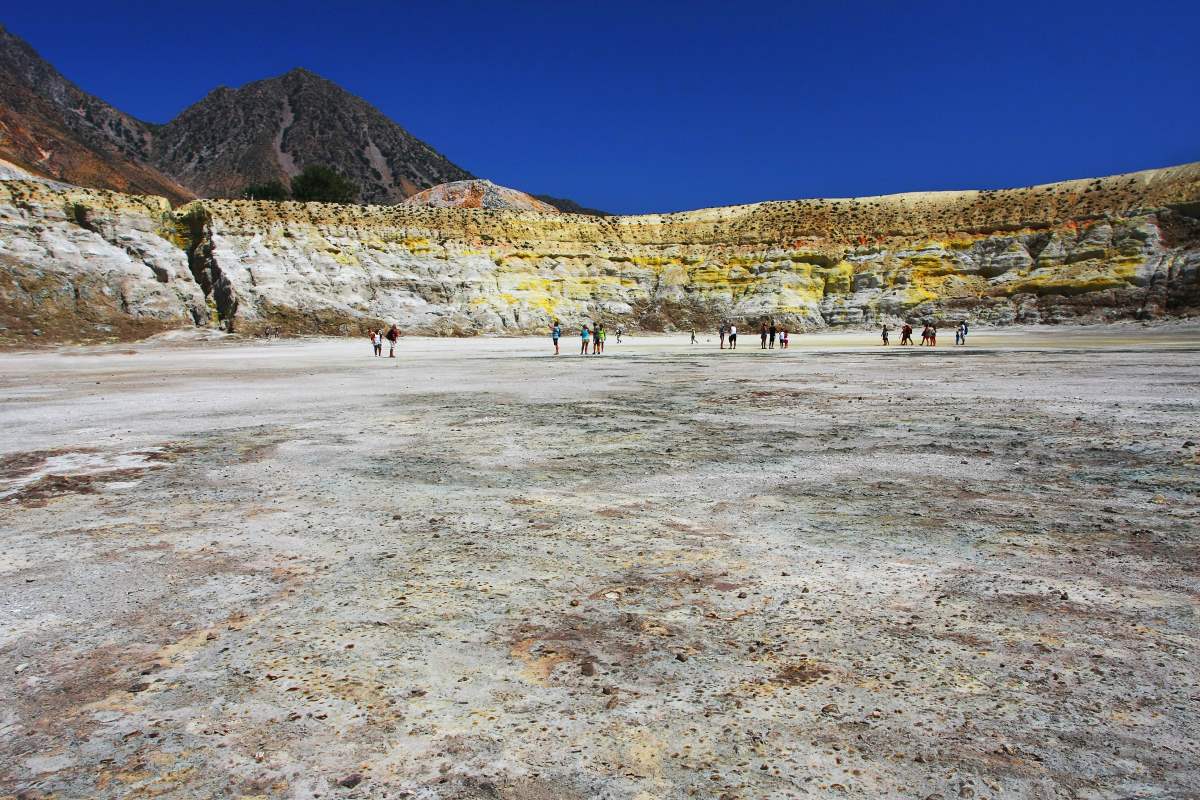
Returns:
(1121, 247)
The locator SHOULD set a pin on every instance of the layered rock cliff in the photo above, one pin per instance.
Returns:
(1092, 250)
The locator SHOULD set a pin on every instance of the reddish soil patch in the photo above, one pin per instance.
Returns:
(801, 673)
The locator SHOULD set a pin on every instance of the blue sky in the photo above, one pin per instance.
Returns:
(660, 106)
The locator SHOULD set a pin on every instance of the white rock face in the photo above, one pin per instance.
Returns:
(1088, 251)
(76, 263)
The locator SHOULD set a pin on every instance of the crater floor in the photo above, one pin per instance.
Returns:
(290, 569)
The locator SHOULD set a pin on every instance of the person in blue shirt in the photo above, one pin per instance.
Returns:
(555, 332)
(585, 336)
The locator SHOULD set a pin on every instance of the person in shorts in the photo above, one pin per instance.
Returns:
(733, 337)
(555, 333)
(585, 337)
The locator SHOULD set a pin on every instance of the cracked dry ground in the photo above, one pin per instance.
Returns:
(295, 571)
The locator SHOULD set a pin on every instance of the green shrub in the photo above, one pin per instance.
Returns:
(318, 184)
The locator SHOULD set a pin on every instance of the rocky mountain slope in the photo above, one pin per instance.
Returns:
(264, 131)
(77, 263)
(51, 127)
(273, 128)
(478, 194)
(570, 206)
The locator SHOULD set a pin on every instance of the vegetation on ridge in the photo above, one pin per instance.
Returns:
(315, 184)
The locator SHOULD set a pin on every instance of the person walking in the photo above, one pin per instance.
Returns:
(693, 336)
(906, 334)
(722, 331)
(925, 335)
(585, 337)
(733, 337)
(392, 335)
(783, 339)
(601, 337)
(376, 342)
(933, 335)
(620, 333)
(772, 332)
(762, 337)
(555, 334)
(885, 334)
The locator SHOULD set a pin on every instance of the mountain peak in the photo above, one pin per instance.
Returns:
(263, 131)
(271, 129)
(305, 75)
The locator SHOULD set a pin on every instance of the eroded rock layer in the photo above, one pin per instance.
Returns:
(1121, 247)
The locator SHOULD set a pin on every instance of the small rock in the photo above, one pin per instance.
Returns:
(829, 709)
(588, 668)
(21, 668)
(138, 687)
(681, 657)
(350, 781)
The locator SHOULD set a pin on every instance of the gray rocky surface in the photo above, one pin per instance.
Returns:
(477, 571)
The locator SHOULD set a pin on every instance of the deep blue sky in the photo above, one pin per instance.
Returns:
(658, 106)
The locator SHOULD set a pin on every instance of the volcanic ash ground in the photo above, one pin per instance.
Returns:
(293, 570)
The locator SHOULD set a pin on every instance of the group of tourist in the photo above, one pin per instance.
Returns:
(928, 334)
(591, 339)
(377, 336)
(768, 334)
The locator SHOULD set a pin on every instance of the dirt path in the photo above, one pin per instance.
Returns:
(293, 570)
